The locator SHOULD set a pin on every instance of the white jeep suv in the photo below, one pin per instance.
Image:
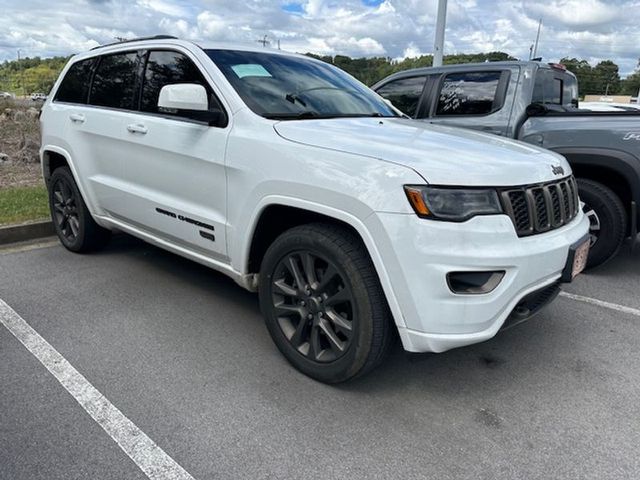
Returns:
(299, 182)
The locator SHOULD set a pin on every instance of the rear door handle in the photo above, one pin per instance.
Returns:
(137, 128)
(77, 118)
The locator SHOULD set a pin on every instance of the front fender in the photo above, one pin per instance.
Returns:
(241, 252)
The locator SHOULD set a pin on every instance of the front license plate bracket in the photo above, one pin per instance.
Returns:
(577, 259)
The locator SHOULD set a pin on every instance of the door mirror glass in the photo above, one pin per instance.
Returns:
(183, 96)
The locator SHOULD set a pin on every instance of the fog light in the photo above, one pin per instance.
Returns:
(470, 283)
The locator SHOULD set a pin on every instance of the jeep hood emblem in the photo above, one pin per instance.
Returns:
(557, 170)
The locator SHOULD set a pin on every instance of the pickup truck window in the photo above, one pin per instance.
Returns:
(286, 88)
(114, 83)
(404, 93)
(75, 86)
(468, 93)
(555, 87)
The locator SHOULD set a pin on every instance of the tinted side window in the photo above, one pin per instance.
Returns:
(404, 93)
(468, 93)
(75, 84)
(114, 83)
(547, 88)
(166, 68)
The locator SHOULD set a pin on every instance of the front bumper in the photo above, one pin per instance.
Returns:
(419, 253)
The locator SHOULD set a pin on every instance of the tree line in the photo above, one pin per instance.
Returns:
(29, 75)
(36, 74)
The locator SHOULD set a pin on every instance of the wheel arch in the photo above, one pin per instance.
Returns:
(275, 215)
(53, 157)
(618, 170)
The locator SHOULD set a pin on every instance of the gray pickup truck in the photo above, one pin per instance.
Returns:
(538, 103)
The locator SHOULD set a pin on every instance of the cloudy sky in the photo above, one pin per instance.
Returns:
(590, 29)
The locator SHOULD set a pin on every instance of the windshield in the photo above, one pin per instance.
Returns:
(286, 87)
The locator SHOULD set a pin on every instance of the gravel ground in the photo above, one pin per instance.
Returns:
(20, 175)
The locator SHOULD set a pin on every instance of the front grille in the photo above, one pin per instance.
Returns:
(540, 208)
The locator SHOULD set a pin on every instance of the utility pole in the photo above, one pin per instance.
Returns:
(264, 41)
(441, 21)
(24, 94)
(535, 48)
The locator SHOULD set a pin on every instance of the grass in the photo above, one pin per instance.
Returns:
(23, 204)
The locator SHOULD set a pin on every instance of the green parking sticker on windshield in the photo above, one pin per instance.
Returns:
(250, 70)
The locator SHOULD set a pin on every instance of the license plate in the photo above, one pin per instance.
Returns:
(580, 259)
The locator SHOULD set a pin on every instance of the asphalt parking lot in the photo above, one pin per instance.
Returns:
(183, 353)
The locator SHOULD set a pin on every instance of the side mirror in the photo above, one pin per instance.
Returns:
(393, 107)
(536, 110)
(190, 100)
(183, 96)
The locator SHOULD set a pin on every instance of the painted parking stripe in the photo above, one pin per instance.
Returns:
(602, 303)
(144, 452)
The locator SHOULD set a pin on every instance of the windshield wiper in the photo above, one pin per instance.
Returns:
(310, 114)
(292, 116)
(293, 98)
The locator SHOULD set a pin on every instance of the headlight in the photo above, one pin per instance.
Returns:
(451, 203)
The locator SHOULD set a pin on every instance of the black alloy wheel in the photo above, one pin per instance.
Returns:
(76, 228)
(314, 305)
(65, 210)
(323, 303)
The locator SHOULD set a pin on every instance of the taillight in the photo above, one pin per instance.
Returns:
(558, 66)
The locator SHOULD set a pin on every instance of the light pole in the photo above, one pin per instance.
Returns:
(535, 48)
(438, 46)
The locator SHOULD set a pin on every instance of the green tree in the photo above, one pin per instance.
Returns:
(583, 71)
(606, 78)
(30, 74)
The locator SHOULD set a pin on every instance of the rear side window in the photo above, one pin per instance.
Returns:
(404, 93)
(468, 93)
(75, 84)
(167, 68)
(114, 83)
(555, 87)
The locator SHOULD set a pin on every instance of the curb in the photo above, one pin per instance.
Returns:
(26, 231)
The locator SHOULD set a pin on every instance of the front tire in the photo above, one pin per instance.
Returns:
(73, 223)
(323, 304)
(607, 220)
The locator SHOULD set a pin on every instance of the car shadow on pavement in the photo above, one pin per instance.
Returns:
(626, 262)
(508, 361)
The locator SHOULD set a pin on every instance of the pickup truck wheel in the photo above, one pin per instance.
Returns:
(607, 219)
(323, 303)
(72, 220)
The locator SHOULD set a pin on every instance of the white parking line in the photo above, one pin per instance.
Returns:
(148, 456)
(602, 303)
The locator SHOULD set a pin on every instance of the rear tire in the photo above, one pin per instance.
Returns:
(608, 220)
(74, 225)
(323, 304)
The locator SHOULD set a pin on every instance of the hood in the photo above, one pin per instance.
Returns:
(441, 155)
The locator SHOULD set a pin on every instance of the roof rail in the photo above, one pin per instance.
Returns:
(155, 37)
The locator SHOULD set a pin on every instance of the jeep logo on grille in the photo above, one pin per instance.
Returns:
(557, 170)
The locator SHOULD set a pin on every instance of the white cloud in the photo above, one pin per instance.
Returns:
(395, 28)
(579, 13)
(164, 7)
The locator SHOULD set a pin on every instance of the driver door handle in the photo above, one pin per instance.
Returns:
(137, 128)
(77, 118)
